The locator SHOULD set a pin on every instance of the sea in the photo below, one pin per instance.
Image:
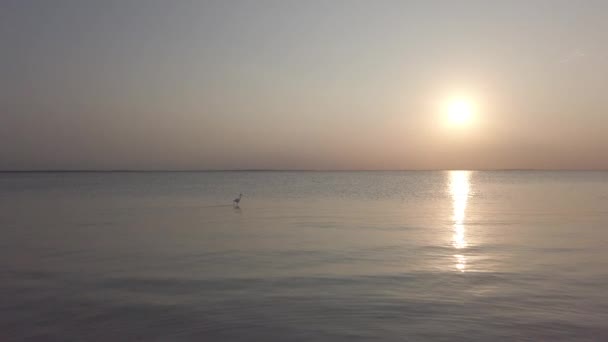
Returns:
(306, 256)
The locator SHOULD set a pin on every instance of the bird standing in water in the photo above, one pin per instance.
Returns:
(236, 201)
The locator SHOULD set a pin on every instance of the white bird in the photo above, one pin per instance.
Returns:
(236, 201)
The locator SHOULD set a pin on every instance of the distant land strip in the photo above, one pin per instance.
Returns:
(279, 170)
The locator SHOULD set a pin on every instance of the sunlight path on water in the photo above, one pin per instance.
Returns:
(459, 190)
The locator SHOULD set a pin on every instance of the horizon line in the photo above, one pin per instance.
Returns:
(273, 170)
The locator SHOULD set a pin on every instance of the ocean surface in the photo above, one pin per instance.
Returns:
(308, 256)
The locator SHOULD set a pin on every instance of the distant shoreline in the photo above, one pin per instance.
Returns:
(284, 170)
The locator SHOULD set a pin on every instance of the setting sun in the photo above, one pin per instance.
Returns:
(460, 111)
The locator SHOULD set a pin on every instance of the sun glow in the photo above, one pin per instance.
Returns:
(460, 111)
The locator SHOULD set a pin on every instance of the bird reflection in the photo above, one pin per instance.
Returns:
(459, 190)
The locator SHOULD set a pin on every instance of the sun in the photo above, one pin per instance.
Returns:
(460, 111)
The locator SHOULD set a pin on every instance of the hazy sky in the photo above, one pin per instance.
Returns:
(302, 84)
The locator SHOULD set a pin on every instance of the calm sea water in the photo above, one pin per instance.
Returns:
(309, 256)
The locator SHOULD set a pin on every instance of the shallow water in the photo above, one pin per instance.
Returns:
(309, 256)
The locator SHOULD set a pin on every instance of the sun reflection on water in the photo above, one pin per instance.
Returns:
(461, 262)
(459, 190)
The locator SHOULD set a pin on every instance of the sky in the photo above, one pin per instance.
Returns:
(193, 85)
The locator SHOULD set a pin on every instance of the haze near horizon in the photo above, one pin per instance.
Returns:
(182, 85)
